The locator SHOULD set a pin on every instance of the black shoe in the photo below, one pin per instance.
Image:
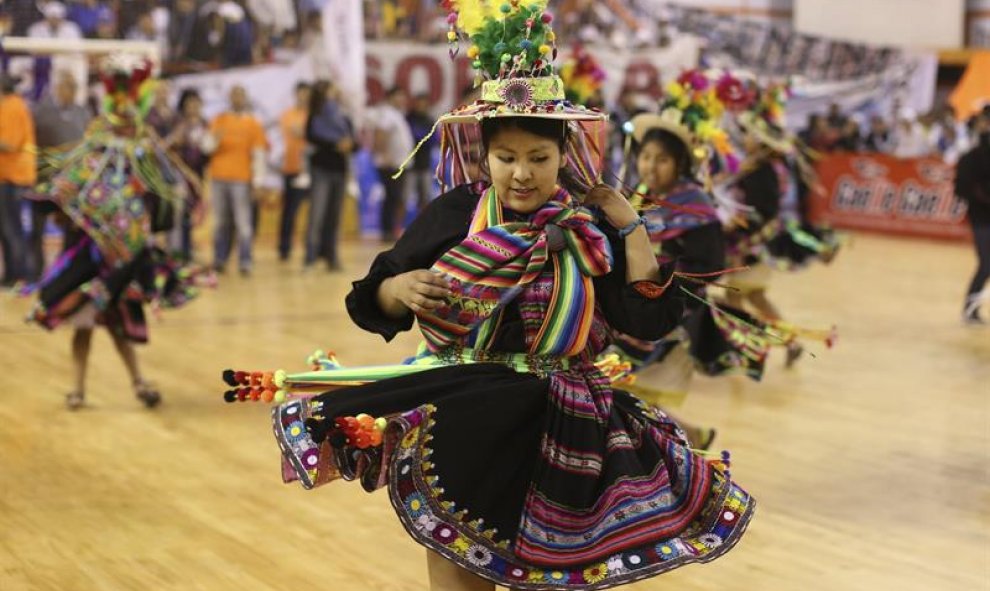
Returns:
(245, 273)
(148, 395)
(794, 352)
(219, 269)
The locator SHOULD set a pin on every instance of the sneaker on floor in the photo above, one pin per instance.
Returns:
(245, 273)
(972, 318)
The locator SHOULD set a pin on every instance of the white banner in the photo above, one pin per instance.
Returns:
(909, 82)
(417, 68)
(343, 39)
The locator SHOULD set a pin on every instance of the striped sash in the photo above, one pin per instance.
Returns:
(498, 259)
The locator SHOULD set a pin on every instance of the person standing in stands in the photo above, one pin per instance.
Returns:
(973, 187)
(236, 167)
(392, 142)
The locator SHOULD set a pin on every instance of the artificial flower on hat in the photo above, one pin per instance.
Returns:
(583, 76)
(765, 120)
(692, 108)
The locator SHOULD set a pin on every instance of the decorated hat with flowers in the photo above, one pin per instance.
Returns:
(127, 79)
(512, 47)
(766, 117)
(692, 109)
(583, 76)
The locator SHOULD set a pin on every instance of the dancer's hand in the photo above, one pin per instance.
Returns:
(418, 290)
(616, 208)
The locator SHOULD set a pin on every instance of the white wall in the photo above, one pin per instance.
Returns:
(930, 24)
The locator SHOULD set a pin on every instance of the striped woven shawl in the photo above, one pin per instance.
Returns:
(498, 259)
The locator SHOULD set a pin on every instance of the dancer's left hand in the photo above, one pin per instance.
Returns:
(616, 208)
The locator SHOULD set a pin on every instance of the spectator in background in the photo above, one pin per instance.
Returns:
(182, 28)
(421, 125)
(54, 26)
(208, 41)
(849, 138)
(18, 172)
(292, 124)
(312, 43)
(973, 186)
(59, 123)
(910, 139)
(277, 15)
(951, 144)
(805, 134)
(238, 144)
(161, 116)
(238, 36)
(836, 119)
(819, 136)
(106, 28)
(145, 29)
(392, 144)
(878, 139)
(128, 13)
(21, 14)
(186, 140)
(88, 14)
(331, 134)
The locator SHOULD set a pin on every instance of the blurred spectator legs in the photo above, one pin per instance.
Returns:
(232, 213)
(12, 239)
(292, 198)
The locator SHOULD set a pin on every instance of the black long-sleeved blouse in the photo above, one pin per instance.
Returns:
(444, 224)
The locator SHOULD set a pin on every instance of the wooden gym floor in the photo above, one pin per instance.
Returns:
(870, 462)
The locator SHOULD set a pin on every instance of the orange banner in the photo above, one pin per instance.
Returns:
(893, 195)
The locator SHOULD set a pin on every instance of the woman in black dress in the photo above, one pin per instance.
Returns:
(505, 450)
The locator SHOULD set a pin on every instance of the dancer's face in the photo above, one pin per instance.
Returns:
(524, 168)
(657, 167)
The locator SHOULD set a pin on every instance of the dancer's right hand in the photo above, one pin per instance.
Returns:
(414, 290)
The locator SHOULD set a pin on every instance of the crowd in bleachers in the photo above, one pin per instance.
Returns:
(904, 134)
(191, 34)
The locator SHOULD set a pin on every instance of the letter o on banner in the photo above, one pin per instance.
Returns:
(404, 76)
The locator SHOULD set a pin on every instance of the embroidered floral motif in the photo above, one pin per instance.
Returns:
(518, 95)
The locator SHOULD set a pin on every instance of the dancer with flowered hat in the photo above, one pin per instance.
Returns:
(505, 450)
(773, 230)
(115, 190)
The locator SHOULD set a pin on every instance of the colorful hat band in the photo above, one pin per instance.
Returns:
(520, 94)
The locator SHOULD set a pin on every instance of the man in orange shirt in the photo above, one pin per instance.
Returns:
(17, 172)
(293, 126)
(236, 167)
